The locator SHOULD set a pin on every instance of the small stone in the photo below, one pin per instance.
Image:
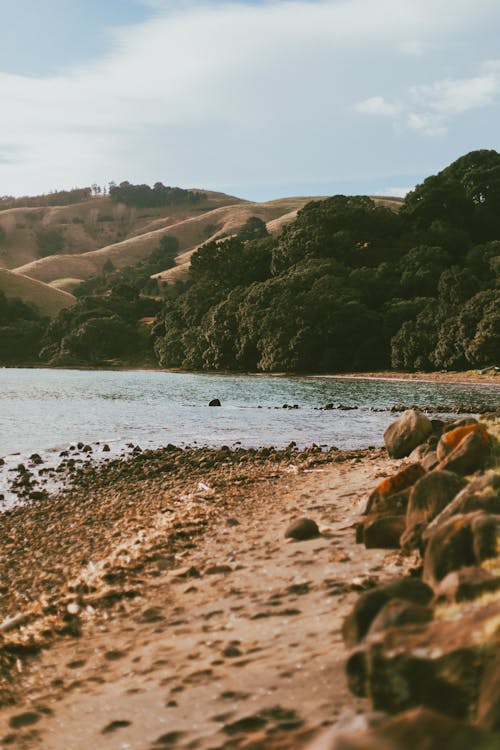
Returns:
(106, 448)
(302, 529)
(214, 402)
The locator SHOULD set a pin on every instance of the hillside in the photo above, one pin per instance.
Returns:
(191, 232)
(48, 300)
(78, 240)
(86, 226)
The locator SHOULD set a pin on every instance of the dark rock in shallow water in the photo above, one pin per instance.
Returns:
(214, 402)
(302, 529)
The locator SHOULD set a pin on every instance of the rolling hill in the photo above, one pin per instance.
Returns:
(91, 234)
(46, 299)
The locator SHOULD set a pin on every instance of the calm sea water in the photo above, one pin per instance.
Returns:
(44, 411)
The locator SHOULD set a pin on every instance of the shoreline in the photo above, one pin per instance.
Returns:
(154, 585)
(466, 377)
(165, 581)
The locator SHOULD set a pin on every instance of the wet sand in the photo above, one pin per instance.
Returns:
(164, 607)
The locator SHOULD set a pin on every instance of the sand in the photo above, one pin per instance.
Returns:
(176, 614)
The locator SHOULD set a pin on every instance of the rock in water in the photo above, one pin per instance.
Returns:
(403, 435)
(301, 529)
(214, 402)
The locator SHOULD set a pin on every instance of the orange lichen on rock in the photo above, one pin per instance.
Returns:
(451, 439)
(396, 483)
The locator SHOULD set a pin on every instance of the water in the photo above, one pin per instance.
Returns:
(44, 411)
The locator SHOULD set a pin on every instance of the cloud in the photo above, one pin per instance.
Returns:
(377, 105)
(429, 108)
(218, 94)
(453, 97)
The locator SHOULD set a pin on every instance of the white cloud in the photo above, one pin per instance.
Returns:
(377, 105)
(453, 97)
(429, 108)
(218, 93)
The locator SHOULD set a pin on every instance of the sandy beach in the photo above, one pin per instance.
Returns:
(165, 608)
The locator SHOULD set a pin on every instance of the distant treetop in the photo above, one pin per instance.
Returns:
(143, 196)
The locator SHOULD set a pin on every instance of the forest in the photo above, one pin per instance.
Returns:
(351, 286)
(348, 286)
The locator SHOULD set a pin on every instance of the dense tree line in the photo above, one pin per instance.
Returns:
(101, 328)
(351, 285)
(21, 331)
(144, 196)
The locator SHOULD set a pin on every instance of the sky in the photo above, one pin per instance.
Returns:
(257, 98)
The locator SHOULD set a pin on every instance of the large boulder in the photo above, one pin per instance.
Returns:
(394, 484)
(431, 494)
(439, 665)
(398, 612)
(466, 584)
(402, 436)
(488, 707)
(464, 450)
(369, 604)
(381, 532)
(462, 541)
(482, 493)
(415, 729)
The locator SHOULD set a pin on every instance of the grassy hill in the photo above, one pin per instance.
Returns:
(78, 240)
(46, 299)
(88, 225)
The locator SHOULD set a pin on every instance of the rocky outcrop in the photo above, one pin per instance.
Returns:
(427, 650)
